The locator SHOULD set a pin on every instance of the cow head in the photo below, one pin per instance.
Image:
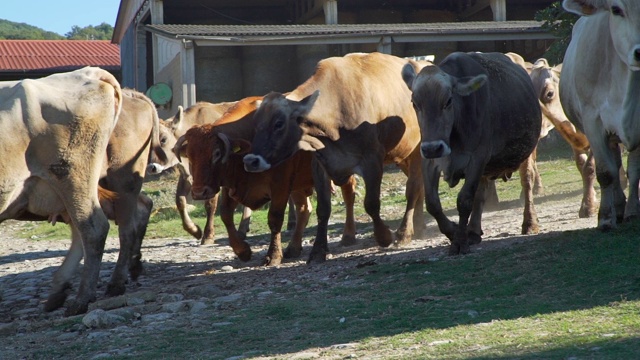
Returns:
(624, 24)
(167, 143)
(278, 133)
(546, 83)
(208, 151)
(434, 96)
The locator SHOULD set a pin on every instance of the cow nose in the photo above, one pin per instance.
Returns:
(434, 149)
(154, 168)
(202, 192)
(636, 54)
(255, 163)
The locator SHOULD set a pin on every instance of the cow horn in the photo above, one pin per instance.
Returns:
(177, 118)
(177, 148)
(227, 146)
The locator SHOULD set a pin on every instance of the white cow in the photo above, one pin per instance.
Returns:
(54, 133)
(600, 89)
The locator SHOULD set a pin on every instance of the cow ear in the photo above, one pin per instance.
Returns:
(177, 118)
(585, 7)
(408, 75)
(468, 85)
(180, 148)
(305, 105)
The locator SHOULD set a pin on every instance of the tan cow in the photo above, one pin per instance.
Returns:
(174, 127)
(55, 132)
(354, 114)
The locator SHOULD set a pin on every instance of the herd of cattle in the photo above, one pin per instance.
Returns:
(76, 147)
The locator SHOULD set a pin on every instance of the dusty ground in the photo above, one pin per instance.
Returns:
(180, 273)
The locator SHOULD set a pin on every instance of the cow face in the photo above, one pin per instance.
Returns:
(624, 24)
(546, 81)
(278, 133)
(167, 143)
(208, 152)
(435, 95)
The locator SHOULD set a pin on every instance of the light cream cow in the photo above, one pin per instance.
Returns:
(54, 136)
(599, 91)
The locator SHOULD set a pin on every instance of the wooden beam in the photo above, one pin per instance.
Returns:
(479, 6)
(499, 8)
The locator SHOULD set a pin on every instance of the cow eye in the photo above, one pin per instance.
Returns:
(279, 125)
(163, 140)
(550, 94)
(447, 105)
(617, 11)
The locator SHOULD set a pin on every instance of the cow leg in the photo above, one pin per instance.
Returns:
(465, 204)
(587, 167)
(527, 181)
(93, 230)
(182, 190)
(608, 178)
(491, 200)
(145, 204)
(538, 188)
(227, 208)
(372, 175)
(126, 217)
(291, 216)
(474, 230)
(322, 186)
(302, 205)
(62, 277)
(620, 200)
(431, 178)
(275, 220)
(632, 210)
(413, 193)
(348, 190)
(209, 234)
(245, 222)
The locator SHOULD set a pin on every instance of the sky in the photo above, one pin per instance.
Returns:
(60, 15)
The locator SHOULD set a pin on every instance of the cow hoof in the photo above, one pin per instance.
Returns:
(242, 235)
(55, 301)
(272, 261)
(207, 241)
(317, 257)
(244, 255)
(115, 290)
(474, 238)
(384, 237)
(454, 249)
(530, 229)
(586, 212)
(292, 253)
(348, 240)
(77, 308)
(136, 270)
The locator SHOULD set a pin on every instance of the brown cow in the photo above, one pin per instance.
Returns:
(479, 121)
(355, 115)
(215, 157)
(198, 114)
(55, 132)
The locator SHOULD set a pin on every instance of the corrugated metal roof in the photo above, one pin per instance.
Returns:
(438, 31)
(29, 55)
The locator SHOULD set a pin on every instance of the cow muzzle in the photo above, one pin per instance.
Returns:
(202, 193)
(255, 163)
(155, 168)
(434, 149)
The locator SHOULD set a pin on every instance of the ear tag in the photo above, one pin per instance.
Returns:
(236, 149)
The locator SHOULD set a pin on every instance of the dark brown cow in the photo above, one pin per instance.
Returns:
(215, 158)
(479, 121)
(55, 132)
(355, 115)
(198, 114)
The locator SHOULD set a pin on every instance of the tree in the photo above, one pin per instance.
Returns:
(10, 30)
(560, 24)
(103, 31)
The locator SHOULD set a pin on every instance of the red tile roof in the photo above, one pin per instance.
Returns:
(59, 55)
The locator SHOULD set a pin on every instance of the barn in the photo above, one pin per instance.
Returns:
(223, 50)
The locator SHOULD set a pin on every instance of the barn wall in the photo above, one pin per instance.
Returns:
(218, 73)
(127, 59)
(171, 74)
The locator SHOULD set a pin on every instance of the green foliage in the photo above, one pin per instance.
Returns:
(10, 30)
(100, 32)
(559, 23)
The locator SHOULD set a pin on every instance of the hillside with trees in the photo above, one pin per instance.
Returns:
(10, 30)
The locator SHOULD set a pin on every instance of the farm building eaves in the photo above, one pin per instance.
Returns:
(352, 33)
(57, 55)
